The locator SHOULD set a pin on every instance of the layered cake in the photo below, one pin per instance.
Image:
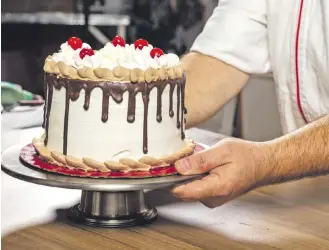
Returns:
(120, 108)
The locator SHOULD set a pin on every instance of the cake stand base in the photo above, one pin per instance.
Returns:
(113, 209)
(104, 202)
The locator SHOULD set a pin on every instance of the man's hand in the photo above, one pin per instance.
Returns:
(237, 166)
(234, 166)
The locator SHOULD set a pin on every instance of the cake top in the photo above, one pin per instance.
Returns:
(115, 61)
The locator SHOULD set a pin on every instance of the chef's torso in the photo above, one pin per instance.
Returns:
(287, 37)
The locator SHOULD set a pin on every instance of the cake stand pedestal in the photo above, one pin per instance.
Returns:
(104, 202)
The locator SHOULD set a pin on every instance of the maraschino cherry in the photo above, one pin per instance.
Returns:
(75, 42)
(156, 52)
(141, 43)
(118, 40)
(86, 52)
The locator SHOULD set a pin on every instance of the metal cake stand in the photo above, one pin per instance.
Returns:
(104, 202)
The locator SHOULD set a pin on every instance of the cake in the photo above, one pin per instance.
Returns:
(120, 108)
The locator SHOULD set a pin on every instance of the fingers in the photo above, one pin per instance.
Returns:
(202, 162)
(209, 186)
(213, 202)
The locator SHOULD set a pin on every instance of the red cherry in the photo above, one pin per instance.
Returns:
(118, 40)
(156, 52)
(140, 43)
(86, 52)
(75, 42)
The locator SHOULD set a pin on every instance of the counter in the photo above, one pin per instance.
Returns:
(294, 215)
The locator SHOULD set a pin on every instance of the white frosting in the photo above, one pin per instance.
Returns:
(111, 56)
(70, 56)
(115, 138)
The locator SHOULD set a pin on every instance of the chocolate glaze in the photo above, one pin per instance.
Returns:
(116, 91)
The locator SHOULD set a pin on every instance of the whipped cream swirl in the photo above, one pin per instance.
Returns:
(111, 56)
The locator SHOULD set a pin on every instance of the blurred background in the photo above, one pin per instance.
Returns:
(33, 29)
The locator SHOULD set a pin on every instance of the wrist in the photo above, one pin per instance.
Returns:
(266, 162)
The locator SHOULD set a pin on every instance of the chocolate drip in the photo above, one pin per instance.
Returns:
(116, 91)
(72, 95)
(131, 106)
(44, 106)
(105, 106)
(87, 99)
(178, 105)
(66, 116)
(48, 109)
(183, 109)
(58, 83)
(171, 93)
(159, 103)
(146, 99)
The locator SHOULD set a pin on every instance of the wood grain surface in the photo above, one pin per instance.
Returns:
(294, 215)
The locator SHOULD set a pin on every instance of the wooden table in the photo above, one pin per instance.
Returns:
(287, 216)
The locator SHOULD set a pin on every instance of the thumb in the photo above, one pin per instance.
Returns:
(203, 161)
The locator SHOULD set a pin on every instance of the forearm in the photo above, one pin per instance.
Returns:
(210, 84)
(299, 154)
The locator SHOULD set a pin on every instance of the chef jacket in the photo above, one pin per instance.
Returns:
(289, 38)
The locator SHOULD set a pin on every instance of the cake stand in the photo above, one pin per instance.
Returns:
(104, 202)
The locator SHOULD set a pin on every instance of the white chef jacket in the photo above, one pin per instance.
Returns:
(289, 38)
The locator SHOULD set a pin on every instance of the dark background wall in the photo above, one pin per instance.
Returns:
(169, 24)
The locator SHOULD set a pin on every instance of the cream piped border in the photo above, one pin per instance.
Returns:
(117, 74)
(124, 164)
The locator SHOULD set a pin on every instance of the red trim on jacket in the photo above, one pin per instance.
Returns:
(297, 62)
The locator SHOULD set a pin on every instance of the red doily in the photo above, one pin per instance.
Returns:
(29, 156)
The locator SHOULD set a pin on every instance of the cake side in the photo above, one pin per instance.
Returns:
(124, 120)
(112, 125)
